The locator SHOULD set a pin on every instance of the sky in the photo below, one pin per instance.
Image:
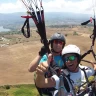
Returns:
(75, 6)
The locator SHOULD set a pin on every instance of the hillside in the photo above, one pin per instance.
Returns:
(20, 51)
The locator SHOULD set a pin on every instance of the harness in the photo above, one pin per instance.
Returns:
(66, 85)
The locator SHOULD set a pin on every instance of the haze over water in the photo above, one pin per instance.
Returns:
(3, 29)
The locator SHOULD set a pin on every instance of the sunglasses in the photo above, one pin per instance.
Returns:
(58, 42)
(69, 58)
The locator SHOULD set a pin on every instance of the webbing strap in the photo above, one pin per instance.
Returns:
(26, 24)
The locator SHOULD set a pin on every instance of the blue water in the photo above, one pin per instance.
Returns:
(3, 29)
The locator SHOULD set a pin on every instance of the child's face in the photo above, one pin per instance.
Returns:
(71, 61)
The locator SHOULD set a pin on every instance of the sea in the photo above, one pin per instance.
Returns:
(2, 29)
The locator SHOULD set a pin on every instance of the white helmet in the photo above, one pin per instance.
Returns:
(71, 49)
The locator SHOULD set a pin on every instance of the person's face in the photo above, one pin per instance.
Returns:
(57, 45)
(71, 61)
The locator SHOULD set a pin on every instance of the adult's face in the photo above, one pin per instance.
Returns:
(71, 61)
(57, 45)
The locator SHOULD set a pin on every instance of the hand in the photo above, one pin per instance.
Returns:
(42, 51)
(93, 65)
(43, 67)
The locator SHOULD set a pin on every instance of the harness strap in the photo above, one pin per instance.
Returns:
(54, 68)
(94, 55)
(83, 69)
(26, 23)
(86, 53)
(66, 80)
(66, 85)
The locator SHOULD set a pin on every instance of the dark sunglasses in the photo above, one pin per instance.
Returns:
(58, 42)
(69, 58)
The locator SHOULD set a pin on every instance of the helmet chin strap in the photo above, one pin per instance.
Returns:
(55, 51)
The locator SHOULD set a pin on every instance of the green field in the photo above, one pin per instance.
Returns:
(18, 90)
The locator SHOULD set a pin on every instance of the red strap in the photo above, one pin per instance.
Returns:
(91, 19)
(26, 16)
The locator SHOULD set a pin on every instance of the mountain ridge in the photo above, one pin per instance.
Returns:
(14, 20)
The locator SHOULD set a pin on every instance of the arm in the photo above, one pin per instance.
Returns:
(93, 65)
(33, 65)
(43, 82)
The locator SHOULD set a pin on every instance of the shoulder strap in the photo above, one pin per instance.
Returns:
(66, 85)
(53, 69)
(83, 69)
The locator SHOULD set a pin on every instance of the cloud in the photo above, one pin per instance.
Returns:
(69, 6)
(82, 6)
(12, 7)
